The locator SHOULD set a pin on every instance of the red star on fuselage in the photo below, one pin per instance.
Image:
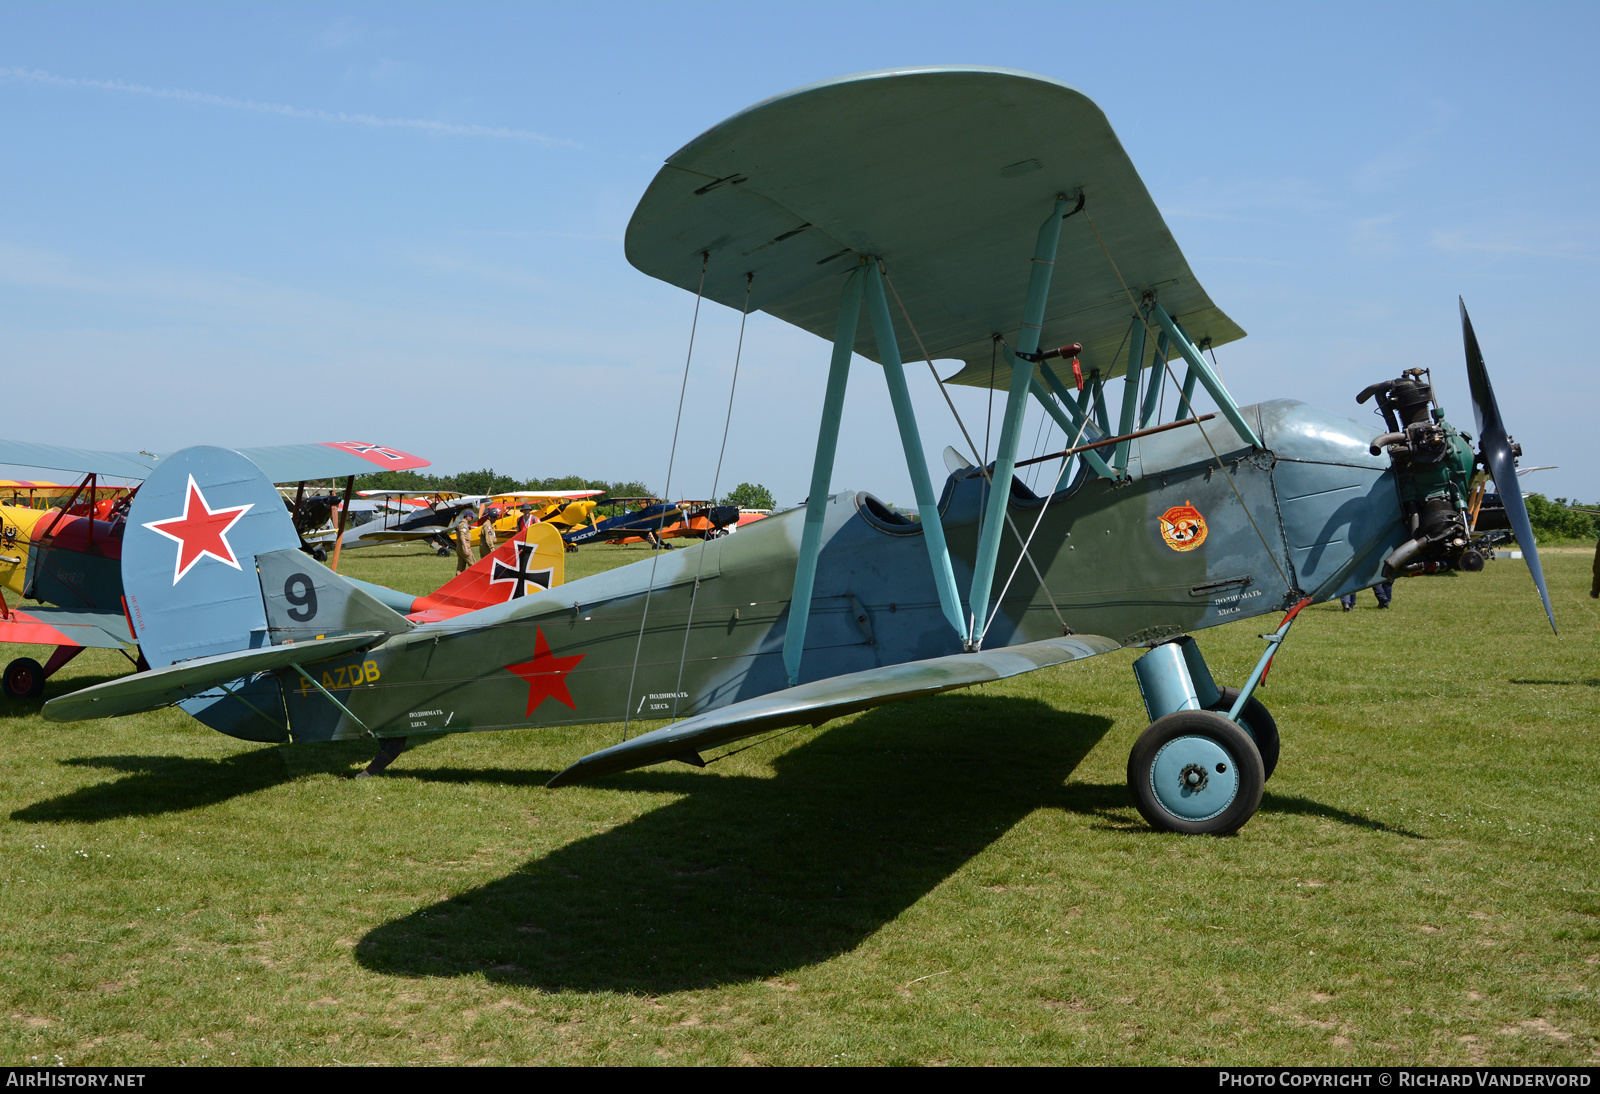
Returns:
(546, 674)
(200, 531)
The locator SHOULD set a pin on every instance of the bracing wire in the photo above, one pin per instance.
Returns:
(1271, 554)
(672, 455)
(994, 612)
(983, 468)
(1039, 436)
(988, 426)
(716, 481)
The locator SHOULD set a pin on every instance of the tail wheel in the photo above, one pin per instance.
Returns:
(24, 679)
(1257, 722)
(1196, 772)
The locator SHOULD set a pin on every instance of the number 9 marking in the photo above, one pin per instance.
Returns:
(299, 590)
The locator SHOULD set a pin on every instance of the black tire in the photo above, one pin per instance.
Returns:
(24, 679)
(319, 553)
(1258, 723)
(1200, 749)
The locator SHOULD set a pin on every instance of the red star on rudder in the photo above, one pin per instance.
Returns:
(546, 674)
(200, 531)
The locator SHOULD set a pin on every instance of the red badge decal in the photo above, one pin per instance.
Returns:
(200, 532)
(546, 674)
(1183, 527)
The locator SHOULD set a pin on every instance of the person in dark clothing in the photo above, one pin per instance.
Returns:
(1594, 587)
(462, 529)
(1383, 590)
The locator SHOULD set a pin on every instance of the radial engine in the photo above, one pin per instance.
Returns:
(1433, 465)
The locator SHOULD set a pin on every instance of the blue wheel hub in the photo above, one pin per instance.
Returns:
(1194, 778)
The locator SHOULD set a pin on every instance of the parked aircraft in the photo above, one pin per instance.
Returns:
(67, 557)
(410, 516)
(942, 202)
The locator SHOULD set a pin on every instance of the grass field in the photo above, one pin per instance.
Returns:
(959, 880)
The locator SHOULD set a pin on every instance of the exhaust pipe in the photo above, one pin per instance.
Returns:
(1384, 440)
(1403, 554)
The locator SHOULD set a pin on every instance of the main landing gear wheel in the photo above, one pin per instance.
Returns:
(1257, 722)
(24, 679)
(1196, 772)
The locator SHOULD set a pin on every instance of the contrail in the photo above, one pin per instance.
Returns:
(443, 129)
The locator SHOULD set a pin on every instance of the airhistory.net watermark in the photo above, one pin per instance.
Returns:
(57, 1077)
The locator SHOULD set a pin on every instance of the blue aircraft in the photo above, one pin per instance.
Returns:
(975, 214)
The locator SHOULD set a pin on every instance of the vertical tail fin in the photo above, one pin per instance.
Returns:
(188, 555)
(189, 576)
(304, 599)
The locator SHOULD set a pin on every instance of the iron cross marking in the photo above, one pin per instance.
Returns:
(362, 448)
(520, 574)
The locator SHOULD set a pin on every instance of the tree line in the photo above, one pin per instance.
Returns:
(1557, 520)
(490, 481)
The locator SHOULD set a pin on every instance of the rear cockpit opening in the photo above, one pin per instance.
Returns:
(885, 517)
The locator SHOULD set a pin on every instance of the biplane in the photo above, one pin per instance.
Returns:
(980, 215)
(694, 519)
(645, 522)
(411, 516)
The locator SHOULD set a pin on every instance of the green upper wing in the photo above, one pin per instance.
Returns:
(823, 700)
(946, 173)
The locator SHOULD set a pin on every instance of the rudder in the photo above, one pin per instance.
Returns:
(189, 576)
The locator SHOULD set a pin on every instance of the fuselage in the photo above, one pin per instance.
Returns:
(1169, 549)
(72, 561)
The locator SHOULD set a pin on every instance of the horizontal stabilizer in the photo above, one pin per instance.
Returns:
(163, 687)
(304, 599)
(835, 697)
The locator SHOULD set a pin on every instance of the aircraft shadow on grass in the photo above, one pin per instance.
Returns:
(1106, 798)
(153, 785)
(743, 878)
(746, 878)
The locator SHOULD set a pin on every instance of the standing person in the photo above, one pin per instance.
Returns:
(486, 542)
(462, 528)
(1383, 590)
(525, 519)
(1594, 587)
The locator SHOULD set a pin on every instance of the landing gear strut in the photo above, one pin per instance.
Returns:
(389, 749)
(1202, 765)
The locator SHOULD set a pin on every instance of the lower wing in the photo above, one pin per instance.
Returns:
(823, 700)
(50, 626)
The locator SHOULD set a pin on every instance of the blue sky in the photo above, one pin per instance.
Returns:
(249, 224)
